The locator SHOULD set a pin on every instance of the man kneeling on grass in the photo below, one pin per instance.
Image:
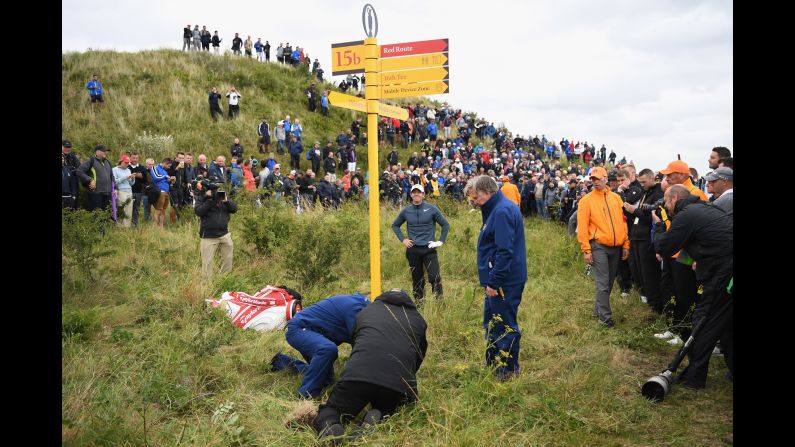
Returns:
(389, 345)
(316, 332)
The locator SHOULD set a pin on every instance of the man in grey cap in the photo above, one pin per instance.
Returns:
(721, 181)
(421, 219)
(96, 173)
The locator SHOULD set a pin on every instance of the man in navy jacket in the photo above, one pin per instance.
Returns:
(316, 332)
(502, 270)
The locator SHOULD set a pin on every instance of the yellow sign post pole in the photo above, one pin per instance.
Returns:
(372, 93)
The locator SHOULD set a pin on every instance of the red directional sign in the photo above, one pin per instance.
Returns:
(411, 48)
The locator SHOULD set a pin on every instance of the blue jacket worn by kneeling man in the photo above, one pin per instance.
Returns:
(333, 317)
(502, 259)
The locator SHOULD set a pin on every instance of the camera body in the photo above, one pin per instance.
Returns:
(200, 183)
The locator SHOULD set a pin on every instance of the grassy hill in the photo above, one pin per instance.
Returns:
(152, 95)
(146, 363)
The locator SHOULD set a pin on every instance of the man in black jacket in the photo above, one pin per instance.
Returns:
(186, 36)
(68, 185)
(316, 157)
(96, 174)
(388, 348)
(236, 149)
(327, 193)
(640, 247)
(214, 212)
(630, 192)
(392, 158)
(236, 42)
(707, 234)
(215, 107)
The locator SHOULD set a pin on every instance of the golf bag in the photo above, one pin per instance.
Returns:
(269, 309)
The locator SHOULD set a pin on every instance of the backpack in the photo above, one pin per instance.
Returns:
(309, 154)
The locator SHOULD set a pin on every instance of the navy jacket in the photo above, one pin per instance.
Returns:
(501, 247)
(334, 317)
(295, 148)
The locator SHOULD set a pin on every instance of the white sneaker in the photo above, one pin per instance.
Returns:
(624, 294)
(664, 335)
(716, 351)
(644, 300)
(675, 341)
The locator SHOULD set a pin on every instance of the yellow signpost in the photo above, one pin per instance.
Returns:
(360, 105)
(412, 62)
(418, 89)
(428, 75)
(372, 94)
(347, 58)
(410, 76)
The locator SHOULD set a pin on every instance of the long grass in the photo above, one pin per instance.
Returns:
(146, 363)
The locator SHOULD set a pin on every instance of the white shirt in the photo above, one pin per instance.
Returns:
(234, 98)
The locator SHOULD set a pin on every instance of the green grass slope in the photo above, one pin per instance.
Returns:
(151, 95)
(146, 363)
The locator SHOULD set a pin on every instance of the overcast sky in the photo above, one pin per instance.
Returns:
(649, 79)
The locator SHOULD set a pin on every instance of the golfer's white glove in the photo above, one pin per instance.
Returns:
(434, 244)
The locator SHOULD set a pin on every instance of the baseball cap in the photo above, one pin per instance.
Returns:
(124, 159)
(598, 172)
(418, 187)
(66, 143)
(676, 166)
(101, 147)
(277, 166)
(722, 173)
(292, 172)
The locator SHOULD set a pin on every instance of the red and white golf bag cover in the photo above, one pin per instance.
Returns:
(269, 309)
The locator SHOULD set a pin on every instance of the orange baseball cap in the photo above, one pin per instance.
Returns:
(598, 172)
(676, 166)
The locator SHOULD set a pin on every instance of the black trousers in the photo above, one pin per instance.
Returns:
(348, 399)
(624, 276)
(420, 259)
(216, 109)
(714, 311)
(295, 161)
(650, 273)
(316, 166)
(234, 110)
(634, 269)
(68, 202)
(98, 200)
(686, 290)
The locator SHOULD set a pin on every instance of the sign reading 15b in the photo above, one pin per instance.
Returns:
(347, 58)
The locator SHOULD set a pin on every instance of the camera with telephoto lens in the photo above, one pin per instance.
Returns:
(649, 207)
(200, 183)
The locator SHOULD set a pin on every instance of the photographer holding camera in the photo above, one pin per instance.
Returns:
(213, 208)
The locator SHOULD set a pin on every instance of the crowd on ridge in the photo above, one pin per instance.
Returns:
(668, 234)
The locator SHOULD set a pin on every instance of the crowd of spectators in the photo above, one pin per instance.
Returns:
(541, 176)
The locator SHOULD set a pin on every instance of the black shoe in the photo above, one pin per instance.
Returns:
(371, 418)
(506, 376)
(609, 323)
(333, 433)
(274, 361)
